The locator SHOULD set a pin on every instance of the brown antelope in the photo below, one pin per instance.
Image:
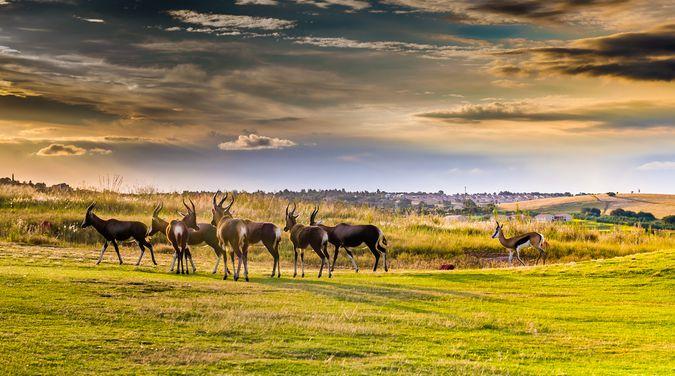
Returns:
(518, 242)
(205, 234)
(307, 236)
(345, 235)
(178, 234)
(267, 233)
(232, 232)
(113, 230)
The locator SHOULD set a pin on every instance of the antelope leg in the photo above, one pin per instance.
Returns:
(215, 268)
(117, 250)
(142, 253)
(194, 268)
(173, 261)
(105, 246)
(351, 258)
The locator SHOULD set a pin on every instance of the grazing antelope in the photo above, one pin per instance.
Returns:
(205, 234)
(233, 232)
(178, 234)
(266, 232)
(518, 242)
(307, 236)
(113, 230)
(345, 235)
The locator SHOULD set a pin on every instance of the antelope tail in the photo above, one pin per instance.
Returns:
(381, 242)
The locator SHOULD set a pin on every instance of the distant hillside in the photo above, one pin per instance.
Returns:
(658, 204)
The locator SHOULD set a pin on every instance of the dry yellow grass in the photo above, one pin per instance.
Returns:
(658, 204)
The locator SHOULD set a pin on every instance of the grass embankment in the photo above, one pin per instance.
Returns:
(63, 315)
(415, 240)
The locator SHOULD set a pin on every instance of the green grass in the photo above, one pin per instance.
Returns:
(61, 314)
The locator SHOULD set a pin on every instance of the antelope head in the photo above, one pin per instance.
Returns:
(157, 224)
(219, 212)
(498, 230)
(291, 217)
(87, 217)
(190, 219)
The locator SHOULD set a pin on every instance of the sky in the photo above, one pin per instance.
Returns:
(398, 95)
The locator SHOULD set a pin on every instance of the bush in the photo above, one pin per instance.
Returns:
(592, 212)
(669, 219)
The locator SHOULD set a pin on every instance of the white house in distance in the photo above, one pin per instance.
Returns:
(561, 217)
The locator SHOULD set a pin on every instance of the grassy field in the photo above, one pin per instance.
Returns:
(416, 241)
(61, 314)
(658, 204)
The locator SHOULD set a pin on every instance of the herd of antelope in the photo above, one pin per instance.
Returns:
(238, 234)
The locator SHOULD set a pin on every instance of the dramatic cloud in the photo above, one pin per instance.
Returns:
(91, 20)
(257, 2)
(610, 14)
(423, 50)
(353, 4)
(515, 111)
(602, 115)
(657, 165)
(60, 150)
(255, 142)
(647, 56)
(100, 151)
(225, 22)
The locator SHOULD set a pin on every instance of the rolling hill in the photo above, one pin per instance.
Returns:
(658, 204)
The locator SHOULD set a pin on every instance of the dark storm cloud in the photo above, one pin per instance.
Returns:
(554, 10)
(647, 56)
(35, 108)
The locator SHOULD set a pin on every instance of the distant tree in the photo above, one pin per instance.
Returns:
(593, 212)
(618, 213)
(611, 194)
(669, 219)
(645, 216)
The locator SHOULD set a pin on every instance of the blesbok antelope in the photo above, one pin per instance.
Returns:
(113, 230)
(206, 234)
(518, 242)
(307, 236)
(233, 232)
(345, 235)
(178, 234)
(266, 232)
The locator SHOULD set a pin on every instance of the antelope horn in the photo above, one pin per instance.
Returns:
(223, 200)
(161, 206)
(214, 199)
(287, 206)
(90, 207)
(186, 205)
(155, 210)
(231, 203)
(294, 207)
(193, 205)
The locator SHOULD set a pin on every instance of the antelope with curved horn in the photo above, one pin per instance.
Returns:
(205, 234)
(307, 236)
(233, 232)
(266, 232)
(178, 234)
(518, 242)
(113, 230)
(345, 235)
